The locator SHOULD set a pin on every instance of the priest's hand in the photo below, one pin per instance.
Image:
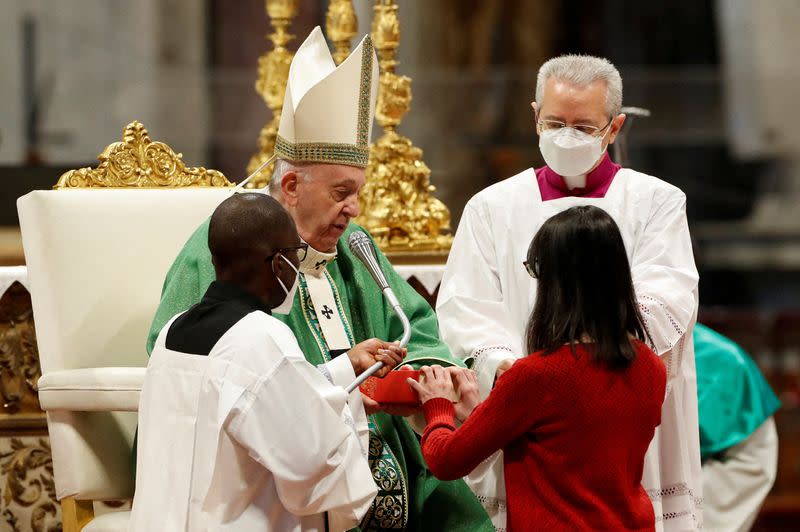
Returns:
(466, 382)
(368, 352)
(437, 384)
(371, 406)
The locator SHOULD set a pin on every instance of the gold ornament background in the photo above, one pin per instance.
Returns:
(341, 25)
(273, 72)
(397, 203)
(28, 499)
(140, 162)
(29, 493)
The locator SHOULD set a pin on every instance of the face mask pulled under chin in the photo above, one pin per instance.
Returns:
(569, 152)
(286, 305)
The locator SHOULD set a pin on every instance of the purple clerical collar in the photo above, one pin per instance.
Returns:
(552, 185)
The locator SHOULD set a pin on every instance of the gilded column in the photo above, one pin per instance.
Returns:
(273, 71)
(397, 203)
(341, 25)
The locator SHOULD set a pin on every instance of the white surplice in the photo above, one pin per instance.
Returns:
(736, 483)
(486, 298)
(251, 437)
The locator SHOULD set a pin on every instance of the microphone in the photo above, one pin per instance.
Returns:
(362, 248)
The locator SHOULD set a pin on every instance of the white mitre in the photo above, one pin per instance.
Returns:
(327, 110)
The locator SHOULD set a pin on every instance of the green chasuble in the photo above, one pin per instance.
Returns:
(409, 496)
(733, 397)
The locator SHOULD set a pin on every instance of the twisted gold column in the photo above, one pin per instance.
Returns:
(397, 203)
(341, 25)
(273, 71)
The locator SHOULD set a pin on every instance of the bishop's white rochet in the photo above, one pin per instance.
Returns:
(361, 246)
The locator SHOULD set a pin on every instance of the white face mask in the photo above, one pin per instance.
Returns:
(286, 305)
(569, 152)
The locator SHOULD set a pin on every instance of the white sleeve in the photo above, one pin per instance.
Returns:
(339, 372)
(665, 279)
(298, 426)
(735, 486)
(473, 315)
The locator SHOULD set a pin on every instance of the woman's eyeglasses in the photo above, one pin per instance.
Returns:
(532, 268)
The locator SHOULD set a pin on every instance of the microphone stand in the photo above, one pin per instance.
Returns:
(361, 246)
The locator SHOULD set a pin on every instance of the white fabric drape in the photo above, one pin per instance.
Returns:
(736, 484)
(486, 298)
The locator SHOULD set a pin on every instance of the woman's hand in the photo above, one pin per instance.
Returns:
(504, 366)
(467, 385)
(437, 384)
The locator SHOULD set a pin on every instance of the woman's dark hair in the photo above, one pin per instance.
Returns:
(584, 287)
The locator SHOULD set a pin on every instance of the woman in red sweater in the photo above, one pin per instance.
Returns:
(575, 417)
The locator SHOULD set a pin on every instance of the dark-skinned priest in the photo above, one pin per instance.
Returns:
(322, 148)
(237, 430)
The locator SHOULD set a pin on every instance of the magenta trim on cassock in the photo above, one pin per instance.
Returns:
(552, 185)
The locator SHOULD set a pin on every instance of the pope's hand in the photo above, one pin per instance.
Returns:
(437, 384)
(368, 352)
(504, 366)
(467, 386)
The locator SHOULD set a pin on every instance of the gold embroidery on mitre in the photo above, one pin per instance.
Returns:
(340, 152)
(364, 92)
(322, 152)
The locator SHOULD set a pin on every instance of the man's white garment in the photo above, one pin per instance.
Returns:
(736, 483)
(251, 437)
(486, 298)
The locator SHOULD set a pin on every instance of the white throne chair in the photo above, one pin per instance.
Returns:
(97, 250)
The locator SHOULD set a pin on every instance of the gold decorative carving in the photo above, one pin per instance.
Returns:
(19, 356)
(273, 72)
(29, 487)
(138, 162)
(397, 202)
(75, 514)
(341, 25)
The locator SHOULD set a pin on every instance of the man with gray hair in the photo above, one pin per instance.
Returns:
(486, 295)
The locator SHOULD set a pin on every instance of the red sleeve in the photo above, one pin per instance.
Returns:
(452, 453)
